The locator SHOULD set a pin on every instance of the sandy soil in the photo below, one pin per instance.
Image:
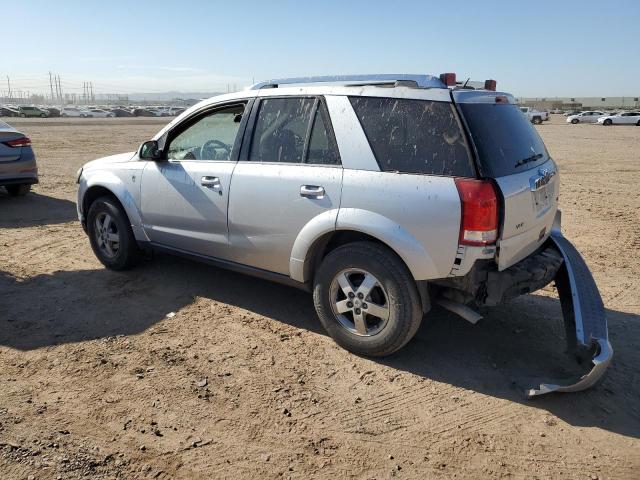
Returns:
(180, 370)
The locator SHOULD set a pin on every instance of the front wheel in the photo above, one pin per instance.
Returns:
(607, 122)
(18, 190)
(575, 121)
(537, 120)
(366, 299)
(110, 235)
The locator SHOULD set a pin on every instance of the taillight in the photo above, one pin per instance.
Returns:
(19, 142)
(479, 225)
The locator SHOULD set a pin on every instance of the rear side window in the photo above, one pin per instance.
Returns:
(414, 136)
(322, 146)
(281, 129)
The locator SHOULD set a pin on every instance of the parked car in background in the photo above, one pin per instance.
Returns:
(121, 112)
(143, 112)
(6, 111)
(73, 112)
(30, 111)
(623, 118)
(590, 116)
(382, 200)
(99, 113)
(535, 116)
(53, 112)
(572, 112)
(18, 169)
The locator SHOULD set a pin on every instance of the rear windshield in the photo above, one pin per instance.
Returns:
(414, 136)
(506, 141)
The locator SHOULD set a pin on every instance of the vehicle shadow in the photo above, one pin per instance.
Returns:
(34, 209)
(515, 345)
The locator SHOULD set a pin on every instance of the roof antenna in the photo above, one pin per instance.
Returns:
(465, 83)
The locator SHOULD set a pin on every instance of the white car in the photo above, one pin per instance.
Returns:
(590, 116)
(624, 118)
(74, 112)
(99, 113)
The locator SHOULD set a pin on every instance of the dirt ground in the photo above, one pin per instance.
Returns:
(180, 370)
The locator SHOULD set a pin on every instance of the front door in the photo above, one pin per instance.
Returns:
(184, 197)
(290, 174)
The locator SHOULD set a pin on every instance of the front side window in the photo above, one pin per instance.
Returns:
(211, 137)
(280, 130)
(415, 136)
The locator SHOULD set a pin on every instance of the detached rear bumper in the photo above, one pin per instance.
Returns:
(584, 317)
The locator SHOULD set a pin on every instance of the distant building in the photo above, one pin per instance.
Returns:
(586, 103)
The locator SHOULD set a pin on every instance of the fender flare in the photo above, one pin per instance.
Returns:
(114, 184)
(398, 239)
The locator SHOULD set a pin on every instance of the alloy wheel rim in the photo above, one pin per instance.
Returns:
(107, 235)
(359, 302)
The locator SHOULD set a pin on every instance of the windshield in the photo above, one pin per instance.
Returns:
(506, 141)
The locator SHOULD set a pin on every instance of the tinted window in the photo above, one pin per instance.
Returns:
(506, 141)
(210, 138)
(322, 147)
(414, 136)
(280, 130)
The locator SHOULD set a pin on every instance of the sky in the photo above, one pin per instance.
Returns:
(532, 48)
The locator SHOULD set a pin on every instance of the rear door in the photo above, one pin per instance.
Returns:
(289, 173)
(510, 151)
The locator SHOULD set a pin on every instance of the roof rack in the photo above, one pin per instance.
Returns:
(420, 81)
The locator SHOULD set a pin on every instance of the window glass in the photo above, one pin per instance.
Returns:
(415, 136)
(322, 147)
(209, 138)
(506, 141)
(280, 130)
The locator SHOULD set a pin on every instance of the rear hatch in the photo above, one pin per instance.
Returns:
(510, 151)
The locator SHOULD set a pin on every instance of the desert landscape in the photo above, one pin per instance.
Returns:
(180, 370)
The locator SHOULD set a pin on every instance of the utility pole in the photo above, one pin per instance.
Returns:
(9, 85)
(92, 97)
(51, 87)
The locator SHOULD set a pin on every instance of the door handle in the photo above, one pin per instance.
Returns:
(311, 191)
(213, 182)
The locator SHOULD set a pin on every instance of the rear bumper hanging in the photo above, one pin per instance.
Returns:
(584, 317)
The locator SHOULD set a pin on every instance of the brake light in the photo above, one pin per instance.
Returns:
(449, 79)
(479, 225)
(490, 85)
(18, 142)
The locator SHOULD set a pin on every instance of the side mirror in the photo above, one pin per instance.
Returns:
(149, 151)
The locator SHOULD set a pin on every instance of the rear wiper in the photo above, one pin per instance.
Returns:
(532, 158)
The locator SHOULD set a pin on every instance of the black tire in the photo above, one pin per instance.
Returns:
(607, 122)
(43, 115)
(23, 115)
(575, 121)
(18, 190)
(402, 298)
(536, 120)
(128, 253)
(638, 123)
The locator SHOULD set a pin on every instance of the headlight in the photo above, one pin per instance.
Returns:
(78, 175)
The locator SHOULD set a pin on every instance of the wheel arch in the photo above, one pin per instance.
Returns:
(331, 230)
(112, 186)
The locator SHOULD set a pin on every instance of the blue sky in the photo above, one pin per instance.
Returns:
(538, 48)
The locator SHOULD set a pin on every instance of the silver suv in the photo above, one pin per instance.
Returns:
(381, 194)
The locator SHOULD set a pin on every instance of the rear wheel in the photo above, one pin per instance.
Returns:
(110, 235)
(366, 299)
(537, 120)
(18, 190)
(607, 122)
(575, 120)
